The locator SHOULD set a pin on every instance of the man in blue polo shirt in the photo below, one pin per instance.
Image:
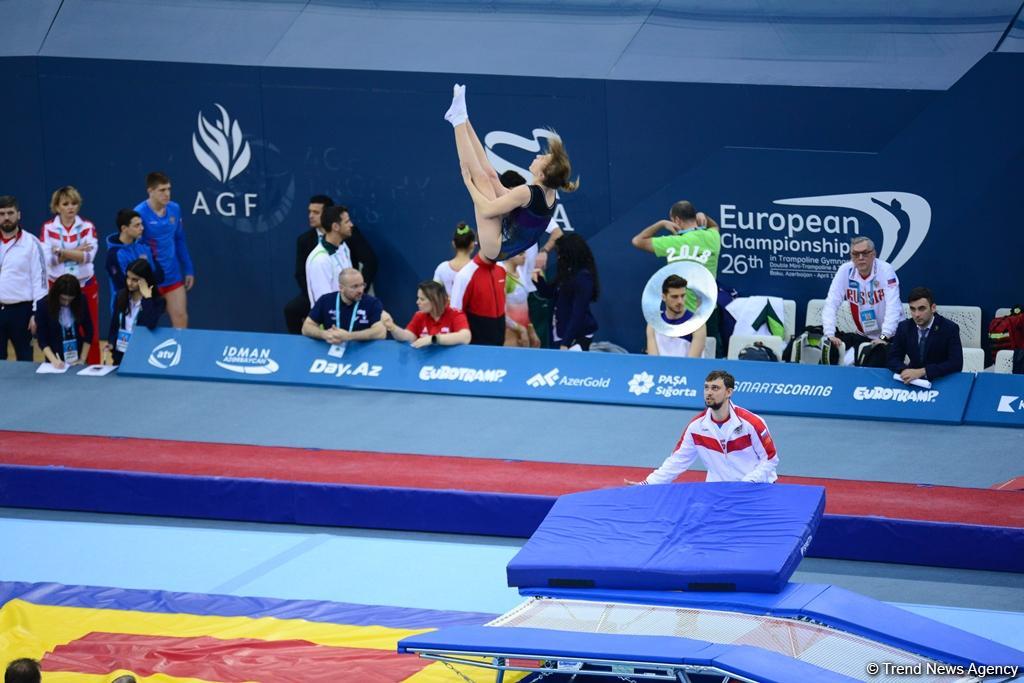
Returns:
(346, 315)
(165, 235)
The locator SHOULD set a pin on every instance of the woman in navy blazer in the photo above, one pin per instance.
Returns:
(943, 351)
(139, 303)
(575, 287)
(63, 324)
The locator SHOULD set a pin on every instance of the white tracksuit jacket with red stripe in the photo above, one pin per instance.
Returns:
(740, 449)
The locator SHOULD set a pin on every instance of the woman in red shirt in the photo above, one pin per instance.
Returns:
(435, 323)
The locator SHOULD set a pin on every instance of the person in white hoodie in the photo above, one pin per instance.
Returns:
(873, 290)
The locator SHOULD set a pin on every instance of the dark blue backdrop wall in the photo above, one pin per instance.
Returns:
(792, 173)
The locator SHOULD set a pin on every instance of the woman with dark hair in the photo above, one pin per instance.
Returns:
(463, 242)
(435, 323)
(63, 324)
(139, 303)
(508, 221)
(575, 286)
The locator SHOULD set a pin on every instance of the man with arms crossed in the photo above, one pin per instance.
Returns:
(734, 444)
(165, 235)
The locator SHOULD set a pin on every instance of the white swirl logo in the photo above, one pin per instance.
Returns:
(165, 355)
(220, 147)
(500, 137)
(903, 217)
(533, 145)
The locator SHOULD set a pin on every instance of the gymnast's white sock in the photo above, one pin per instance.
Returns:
(456, 113)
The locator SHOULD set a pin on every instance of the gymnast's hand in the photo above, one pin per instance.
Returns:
(630, 482)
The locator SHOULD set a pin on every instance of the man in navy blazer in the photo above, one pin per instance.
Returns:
(931, 342)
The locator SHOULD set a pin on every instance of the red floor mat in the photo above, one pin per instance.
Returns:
(845, 497)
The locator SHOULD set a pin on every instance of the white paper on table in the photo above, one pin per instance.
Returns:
(97, 370)
(923, 383)
(49, 369)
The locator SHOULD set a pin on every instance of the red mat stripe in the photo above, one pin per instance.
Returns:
(845, 497)
(228, 660)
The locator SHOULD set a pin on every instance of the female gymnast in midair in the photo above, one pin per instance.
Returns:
(508, 221)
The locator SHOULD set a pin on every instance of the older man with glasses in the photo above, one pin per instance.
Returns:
(873, 290)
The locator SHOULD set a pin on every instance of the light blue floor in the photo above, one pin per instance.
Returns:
(432, 571)
(270, 415)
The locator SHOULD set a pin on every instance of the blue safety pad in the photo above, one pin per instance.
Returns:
(743, 660)
(828, 605)
(721, 536)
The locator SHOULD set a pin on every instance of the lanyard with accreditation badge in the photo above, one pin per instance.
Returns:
(868, 319)
(71, 267)
(124, 332)
(338, 350)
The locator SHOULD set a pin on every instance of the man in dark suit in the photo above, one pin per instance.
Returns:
(363, 258)
(931, 342)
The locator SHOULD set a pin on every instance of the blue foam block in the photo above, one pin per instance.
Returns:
(705, 536)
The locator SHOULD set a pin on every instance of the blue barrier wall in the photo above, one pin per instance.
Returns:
(626, 379)
(779, 165)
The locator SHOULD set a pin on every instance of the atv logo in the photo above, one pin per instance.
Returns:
(166, 354)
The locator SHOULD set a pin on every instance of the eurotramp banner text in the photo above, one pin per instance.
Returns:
(567, 376)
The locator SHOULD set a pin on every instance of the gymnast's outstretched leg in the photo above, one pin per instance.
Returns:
(473, 161)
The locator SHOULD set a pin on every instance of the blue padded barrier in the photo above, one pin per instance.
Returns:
(262, 500)
(907, 541)
(996, 400)
(539, 374)
(513, 515)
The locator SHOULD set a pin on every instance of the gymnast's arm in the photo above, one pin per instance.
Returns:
(493, 208)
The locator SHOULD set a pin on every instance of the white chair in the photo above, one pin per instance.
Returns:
(967, 318)
(710, 347)
(844, 318)
(789, 318)
(1004, 361)
(813, 314)
(738, 342)
(974, 360)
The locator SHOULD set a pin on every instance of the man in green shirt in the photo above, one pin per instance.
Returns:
(693, 237)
